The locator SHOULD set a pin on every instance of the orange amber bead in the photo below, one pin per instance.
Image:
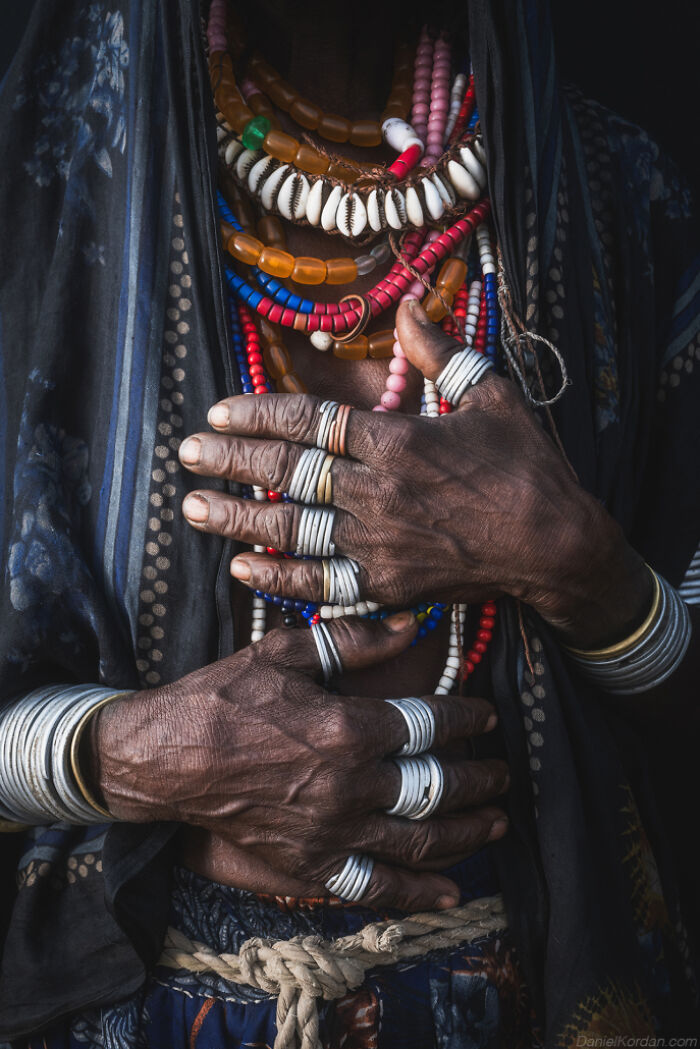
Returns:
(291, 383)
(308, 270)
(271, 231)
(310, 160)
(281, 146)
(366, 133)
(305, 113)
(452, 275)
(281, 94)
(269, 332)
(334, 128)
(277, 360)
(341, 271)
(260, 106)
(393, 109)
(275, 262)
(355, 350)
(262, 73)
(381, 344)
(245, 248)
(434, 307)
(342, 173)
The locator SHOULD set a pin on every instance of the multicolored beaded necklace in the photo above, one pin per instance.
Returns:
(431, 197)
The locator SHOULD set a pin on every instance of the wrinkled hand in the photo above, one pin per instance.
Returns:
(476, 504)
(284, 780)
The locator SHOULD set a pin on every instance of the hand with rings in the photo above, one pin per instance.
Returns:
(290, 790)
(396, 509)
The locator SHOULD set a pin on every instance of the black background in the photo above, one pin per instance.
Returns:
(639, 60)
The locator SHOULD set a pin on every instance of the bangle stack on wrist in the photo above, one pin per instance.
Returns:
(649, 655)
(40, 778)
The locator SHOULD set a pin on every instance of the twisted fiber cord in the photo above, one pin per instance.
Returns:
(304, 968)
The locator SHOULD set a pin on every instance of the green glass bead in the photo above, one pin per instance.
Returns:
(254, 132)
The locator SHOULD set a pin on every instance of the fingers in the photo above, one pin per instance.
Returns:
(466, 784)
(270, 464)
(428, 347)
(265, 524)
(298, 579)
(409, 890)
(360, 642)
(296, 417)
(433, 844)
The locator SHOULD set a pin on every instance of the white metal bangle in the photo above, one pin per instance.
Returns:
(464, 369)
(422, 787)
(315, 529)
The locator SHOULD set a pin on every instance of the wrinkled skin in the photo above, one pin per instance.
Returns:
(473, 505)
(284, 780)
(278, 780)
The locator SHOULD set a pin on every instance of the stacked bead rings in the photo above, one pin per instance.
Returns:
(463, 370)
(331, 663)
(340, 586)
(311, 477)
(420, 722)
(351, 883)
(333, 427)
(422, 786)
(314, 536)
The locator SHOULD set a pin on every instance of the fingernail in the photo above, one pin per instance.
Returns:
(218, 415)
(241, 570)
(196, 508)
(400, 621)
(491, 723)
(419, 314)
(498, 829)
(443, 902)
(191, 451)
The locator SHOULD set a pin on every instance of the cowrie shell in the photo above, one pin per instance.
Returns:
(233, 149)
(473, 166)
(258, 172)
(395, 209)
(293, 195)
(351, 218)
(413, 209)
(245, 162)
(433, 200)
(330, 208)
(465, 184)
(375, 208)
(448, 195)
(314, 202)
(272, 184)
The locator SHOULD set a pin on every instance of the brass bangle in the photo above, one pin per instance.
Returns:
(621, 648)
(324, 489)
(75, 751)
(8, 827)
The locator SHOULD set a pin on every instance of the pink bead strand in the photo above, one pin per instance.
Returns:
(216, 26)
(439, 102)
(422, 74)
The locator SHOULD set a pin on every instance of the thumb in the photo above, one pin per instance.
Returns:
(360, 642)
(425, 344)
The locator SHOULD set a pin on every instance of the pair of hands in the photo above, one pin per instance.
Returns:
(282, 779)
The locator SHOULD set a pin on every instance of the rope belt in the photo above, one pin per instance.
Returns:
(300, 970)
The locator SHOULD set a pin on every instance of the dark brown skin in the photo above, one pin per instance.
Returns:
(275, 779)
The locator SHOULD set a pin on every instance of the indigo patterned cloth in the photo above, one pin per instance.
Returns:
(114, 343)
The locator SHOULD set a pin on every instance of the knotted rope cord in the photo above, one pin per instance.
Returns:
(300, 970)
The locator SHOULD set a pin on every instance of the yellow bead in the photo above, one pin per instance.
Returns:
(281, 146)
(245, 248)
(341, 271)
(355, 350)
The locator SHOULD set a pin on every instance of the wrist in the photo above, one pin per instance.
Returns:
(602, 590)
(117, 758)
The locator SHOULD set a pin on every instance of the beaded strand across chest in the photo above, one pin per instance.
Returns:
(428, 207)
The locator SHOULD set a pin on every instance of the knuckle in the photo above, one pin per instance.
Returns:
(293, 415)
(343, 732)
(221, 455)
(422, 843)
